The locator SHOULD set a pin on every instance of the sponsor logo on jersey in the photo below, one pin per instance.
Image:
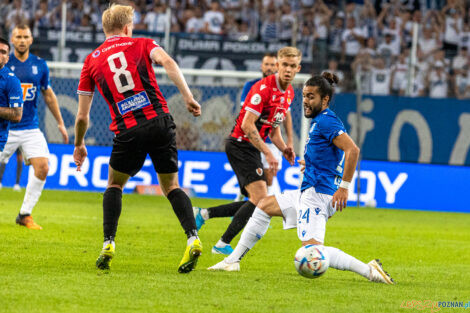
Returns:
(133, 103)
(34, 69)
(256, 99)
(259, 171)
(29, 91)
(289, 101)
(317, 211)
(11, 74)
(96, 53)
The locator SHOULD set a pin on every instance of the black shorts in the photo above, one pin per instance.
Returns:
(157, 138)
(245, 160)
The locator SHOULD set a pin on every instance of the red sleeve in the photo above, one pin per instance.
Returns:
(257, 98)
(150, 45)
(86, 85)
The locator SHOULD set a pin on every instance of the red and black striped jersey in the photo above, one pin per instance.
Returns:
(121, 69)
(269, 102)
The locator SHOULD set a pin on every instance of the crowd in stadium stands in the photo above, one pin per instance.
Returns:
(369, 37)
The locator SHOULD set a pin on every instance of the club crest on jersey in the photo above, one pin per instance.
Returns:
(282, 100)
(34, 69)
(29, 91)
(259, 171)
(256, 99)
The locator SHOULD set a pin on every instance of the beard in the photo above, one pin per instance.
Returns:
(314, 111)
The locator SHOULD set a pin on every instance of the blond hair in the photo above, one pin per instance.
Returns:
(289, 52)
(116, 17)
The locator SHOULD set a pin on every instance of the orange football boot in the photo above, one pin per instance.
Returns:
(27, 221)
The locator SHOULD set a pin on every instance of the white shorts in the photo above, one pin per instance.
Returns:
(307, 211)
(277, 155)
(31, 143)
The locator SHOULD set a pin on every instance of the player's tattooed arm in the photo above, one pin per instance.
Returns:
(11, 114)
(250, 130)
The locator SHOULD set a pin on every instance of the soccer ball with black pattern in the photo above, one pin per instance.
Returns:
(311, 261)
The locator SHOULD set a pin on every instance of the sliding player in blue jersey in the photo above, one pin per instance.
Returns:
(330, 161)
(25, 135)
(11, 96)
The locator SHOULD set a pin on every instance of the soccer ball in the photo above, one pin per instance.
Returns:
(311, 261)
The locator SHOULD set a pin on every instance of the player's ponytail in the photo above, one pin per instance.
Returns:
(324, 82)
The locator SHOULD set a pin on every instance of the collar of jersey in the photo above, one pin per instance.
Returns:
(276, 77)
(113, 36)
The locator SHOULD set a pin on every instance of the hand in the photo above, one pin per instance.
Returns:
(340, 199)
(302, 166)
(79, 156)
(289, 155)
(193, 107)
(272, 162)
(63, 131)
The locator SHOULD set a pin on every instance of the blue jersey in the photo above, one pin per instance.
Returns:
(247, 88)
(323, 160)
(11, 96)
(34, 76)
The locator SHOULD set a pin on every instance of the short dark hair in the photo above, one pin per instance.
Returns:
(5, 42)
(270, 55)
(324, 82)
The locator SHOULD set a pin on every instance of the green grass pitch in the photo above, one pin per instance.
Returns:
(53, 270)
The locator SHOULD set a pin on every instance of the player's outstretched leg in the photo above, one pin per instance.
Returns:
(112, 207)
(225, 210)
(373, 271)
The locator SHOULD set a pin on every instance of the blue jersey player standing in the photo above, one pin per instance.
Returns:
(11, 97)
(330, 161)
(25, 135)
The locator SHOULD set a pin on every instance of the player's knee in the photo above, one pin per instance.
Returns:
(169, 188)
(41, 170)
(266, 204)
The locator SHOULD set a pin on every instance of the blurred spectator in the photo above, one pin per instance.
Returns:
(370, 48)
(460, 61)
(437, 81)
(428, 43)
(352, 39)
(380, 78)
(399, 72)
(462, 84)
(155, 20)
(195, 23)
(464, 38)
(270, 27)
(250, 14)
(214, 19)
(388, 50)
(18, 15)
(453, 19)
(335, 36)
(286, 25)
(321, 19)
(417, 88)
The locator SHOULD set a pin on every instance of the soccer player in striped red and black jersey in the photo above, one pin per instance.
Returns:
(121, 70)
(264, 109)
